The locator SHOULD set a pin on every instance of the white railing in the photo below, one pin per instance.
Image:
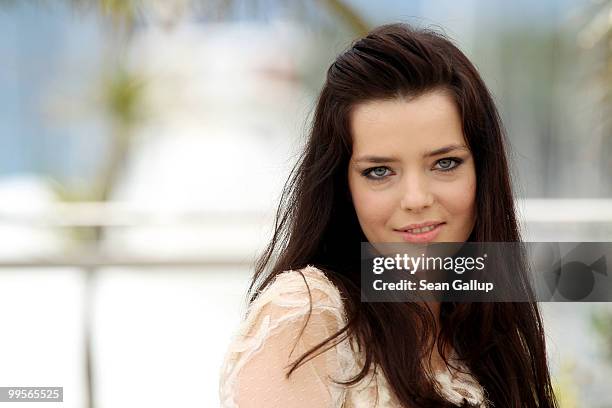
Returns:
(566, 210)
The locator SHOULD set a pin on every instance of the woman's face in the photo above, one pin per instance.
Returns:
(410, 165)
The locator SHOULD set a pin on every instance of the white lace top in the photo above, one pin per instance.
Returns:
(253, 371)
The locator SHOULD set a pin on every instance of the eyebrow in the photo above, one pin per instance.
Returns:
(391, 159)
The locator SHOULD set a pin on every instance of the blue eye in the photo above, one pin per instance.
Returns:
(446, 163)
(376, 173)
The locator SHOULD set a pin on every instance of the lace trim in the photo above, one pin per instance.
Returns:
(371, 390)
(243, 347)
(456, 386)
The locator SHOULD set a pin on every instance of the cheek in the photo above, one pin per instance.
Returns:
(459, 199)
(373, 208)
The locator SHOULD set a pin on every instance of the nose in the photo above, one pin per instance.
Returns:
(416, 194)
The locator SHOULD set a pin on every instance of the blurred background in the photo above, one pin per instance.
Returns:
(143, 146)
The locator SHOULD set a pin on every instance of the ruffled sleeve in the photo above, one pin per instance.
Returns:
(268, 342)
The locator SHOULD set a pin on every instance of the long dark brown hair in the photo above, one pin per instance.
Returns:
(501, 343)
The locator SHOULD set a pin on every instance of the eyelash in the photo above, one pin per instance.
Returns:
(366, 172)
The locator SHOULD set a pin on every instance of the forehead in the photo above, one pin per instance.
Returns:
(406, 125)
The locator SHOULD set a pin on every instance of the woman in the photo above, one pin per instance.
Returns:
(406, 145)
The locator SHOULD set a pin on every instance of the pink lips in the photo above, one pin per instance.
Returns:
(421, 237)
(421, 225)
